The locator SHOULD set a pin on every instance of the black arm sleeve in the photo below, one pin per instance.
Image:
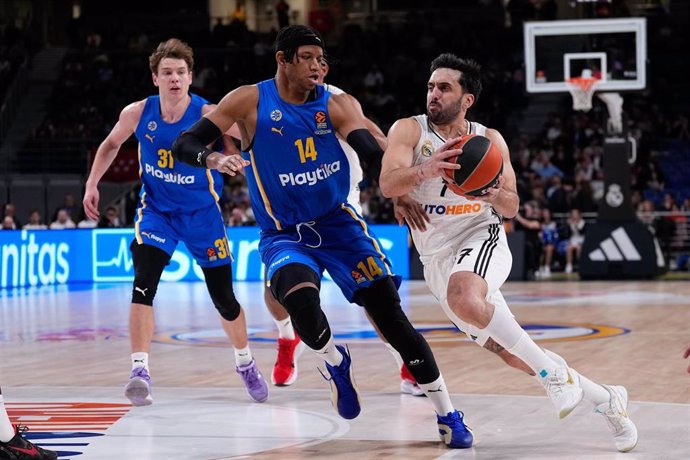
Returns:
(368, 150)
(190, 146)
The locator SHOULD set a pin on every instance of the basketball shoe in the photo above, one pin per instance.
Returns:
(453, 431)
(138, 389)
(19, 448)
(344, 393)
(616, 414)
(563, 389)
(254, 382)
(285, 369)
(408, 384)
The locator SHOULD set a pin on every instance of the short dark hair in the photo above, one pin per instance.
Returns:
(470, 71)
(292, 37)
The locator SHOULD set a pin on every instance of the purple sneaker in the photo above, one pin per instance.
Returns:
(138, 389)
(257, 388)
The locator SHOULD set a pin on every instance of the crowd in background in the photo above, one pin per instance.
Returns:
(559, 170)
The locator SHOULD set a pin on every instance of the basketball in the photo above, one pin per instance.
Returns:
(482, 165)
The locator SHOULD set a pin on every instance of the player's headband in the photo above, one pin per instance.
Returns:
(291, 43)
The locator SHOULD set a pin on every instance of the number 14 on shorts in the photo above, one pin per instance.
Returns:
(370, 268)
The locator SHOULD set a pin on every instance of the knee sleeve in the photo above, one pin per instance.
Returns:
(382, 302)
(219, 285)
(289, 276)
(304, 307)
(149, 262)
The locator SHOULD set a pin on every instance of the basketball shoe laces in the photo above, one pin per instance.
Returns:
(555, 382)
(250, 375)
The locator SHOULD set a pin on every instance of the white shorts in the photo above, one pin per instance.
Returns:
(486, 253)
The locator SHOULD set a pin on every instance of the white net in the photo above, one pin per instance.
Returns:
(582, 89)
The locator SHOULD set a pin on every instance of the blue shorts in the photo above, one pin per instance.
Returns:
(202, 231)
(340, 242)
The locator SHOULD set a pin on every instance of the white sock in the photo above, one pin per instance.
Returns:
(437, 392)
(507, 332)
(396, 356)
(6, 429)
(285, 329)
(594, 393)
(243, 356)
(330, 353)
(140, 359)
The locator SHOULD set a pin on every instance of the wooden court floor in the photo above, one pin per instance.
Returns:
(64, 358)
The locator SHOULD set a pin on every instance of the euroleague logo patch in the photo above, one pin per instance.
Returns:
(321, 123)
(440, 333)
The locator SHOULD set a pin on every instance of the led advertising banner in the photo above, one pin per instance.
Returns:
(44, 257)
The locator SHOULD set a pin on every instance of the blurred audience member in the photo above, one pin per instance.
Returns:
(549, 239)
(8, 223)
(575, 229)
(10, 212)
(62, 221)
(110, 218)
(35, 221)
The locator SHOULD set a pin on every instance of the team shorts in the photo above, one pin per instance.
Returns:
(484, 252)
(340, 242)
(202, 231)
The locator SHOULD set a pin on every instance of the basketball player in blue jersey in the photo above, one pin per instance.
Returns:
(290, 346)
(299, 180)
(466, 255)
(177, 203)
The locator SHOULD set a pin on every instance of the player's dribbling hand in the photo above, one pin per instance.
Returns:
(90, 203)
(407, 209)
(231, 164)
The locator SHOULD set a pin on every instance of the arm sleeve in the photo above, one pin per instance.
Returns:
(368, 150)
(190, 146)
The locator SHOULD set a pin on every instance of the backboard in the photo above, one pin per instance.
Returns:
(614, 50)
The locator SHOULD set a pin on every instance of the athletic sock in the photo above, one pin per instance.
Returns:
(140, 359)
(594, 393)
(330, 353)
(285, 329)
(437, 392)
(6, 428)
(507, 332)
(243, 356)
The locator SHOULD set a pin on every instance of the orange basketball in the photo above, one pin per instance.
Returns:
(482, 165)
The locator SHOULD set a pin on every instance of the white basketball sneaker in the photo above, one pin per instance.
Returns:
(563, 388)
(616, 414)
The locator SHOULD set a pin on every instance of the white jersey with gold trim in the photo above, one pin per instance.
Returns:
(356, 173)
(453, 218)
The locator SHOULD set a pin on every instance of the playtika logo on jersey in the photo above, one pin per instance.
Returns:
(323, 172)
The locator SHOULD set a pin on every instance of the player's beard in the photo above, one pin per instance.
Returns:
(445, 115)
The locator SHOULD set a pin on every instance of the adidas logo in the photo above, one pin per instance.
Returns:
(616, 248)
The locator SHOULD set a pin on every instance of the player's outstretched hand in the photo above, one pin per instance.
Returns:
(408, 210)
(232, 164)
(685, 355)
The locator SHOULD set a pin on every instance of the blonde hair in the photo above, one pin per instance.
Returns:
(173, 48)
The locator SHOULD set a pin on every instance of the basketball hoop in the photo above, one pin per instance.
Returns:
(582, 89)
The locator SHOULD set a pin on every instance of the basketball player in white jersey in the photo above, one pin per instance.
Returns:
(289, 345)
(464, 247)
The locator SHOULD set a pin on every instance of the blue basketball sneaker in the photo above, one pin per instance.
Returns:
(453, 431)
(344, 393)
